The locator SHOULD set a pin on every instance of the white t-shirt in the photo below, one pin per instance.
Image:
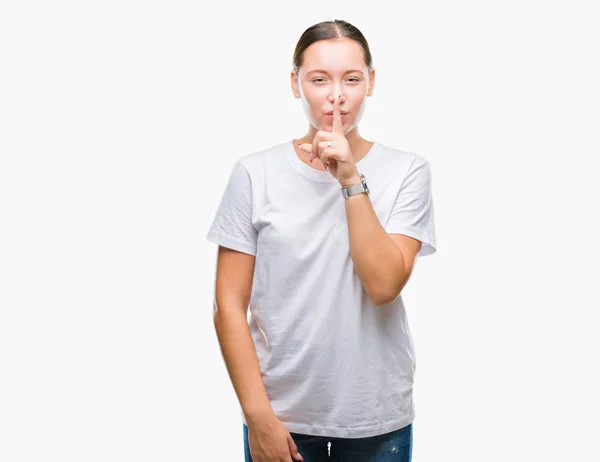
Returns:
(333, 363)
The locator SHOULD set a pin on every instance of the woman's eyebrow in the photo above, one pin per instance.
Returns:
(325, 72)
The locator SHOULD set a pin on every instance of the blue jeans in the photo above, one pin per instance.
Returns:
(395, 446)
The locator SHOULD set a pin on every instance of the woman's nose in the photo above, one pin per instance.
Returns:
(335, 95)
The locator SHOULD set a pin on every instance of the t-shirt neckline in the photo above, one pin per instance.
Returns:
(323, 176)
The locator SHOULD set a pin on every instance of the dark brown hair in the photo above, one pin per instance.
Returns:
(330, 30)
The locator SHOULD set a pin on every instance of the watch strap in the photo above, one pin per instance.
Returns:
(357, 188)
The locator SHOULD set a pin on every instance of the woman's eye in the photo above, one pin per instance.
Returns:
(354, 79)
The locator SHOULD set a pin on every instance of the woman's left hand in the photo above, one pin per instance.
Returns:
(337, 158)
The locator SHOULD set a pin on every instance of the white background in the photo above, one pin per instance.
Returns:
(119, 124)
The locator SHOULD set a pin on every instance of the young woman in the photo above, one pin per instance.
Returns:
(317, 237)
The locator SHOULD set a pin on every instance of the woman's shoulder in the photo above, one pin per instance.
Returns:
(259, 158)
(394, 157)
(396, 153)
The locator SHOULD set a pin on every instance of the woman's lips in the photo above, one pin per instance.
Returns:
(331, 115)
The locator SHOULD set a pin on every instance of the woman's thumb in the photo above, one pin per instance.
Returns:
(294, 450)
(306, 147)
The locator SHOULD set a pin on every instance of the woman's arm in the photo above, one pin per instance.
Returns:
(232, 295)
(383, 263)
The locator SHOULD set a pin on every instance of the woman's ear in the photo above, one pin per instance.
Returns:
(371, 81)
(295, 84)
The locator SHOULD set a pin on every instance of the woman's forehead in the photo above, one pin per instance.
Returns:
(327, 71)
(334, 55)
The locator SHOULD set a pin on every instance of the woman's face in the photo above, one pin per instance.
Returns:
(331, 68)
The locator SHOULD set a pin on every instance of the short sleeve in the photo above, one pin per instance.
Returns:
(232, 226)
(412, 212)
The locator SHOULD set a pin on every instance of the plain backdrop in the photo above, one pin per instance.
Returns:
(120, 122)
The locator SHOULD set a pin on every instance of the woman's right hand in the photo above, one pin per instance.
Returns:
(270, 441)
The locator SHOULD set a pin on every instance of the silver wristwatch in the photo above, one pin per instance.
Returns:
(356, 188)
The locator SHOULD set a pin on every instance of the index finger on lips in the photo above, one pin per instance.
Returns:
(338, 125)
